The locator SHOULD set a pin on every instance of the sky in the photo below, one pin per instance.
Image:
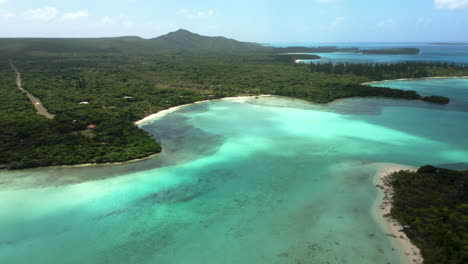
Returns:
(273, 21)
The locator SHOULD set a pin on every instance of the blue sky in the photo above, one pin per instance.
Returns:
(249, 20)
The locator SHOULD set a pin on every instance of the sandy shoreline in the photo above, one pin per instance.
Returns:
(104, 164)
(153, 117)
(415, 79)
(382, 211)
(175, 108)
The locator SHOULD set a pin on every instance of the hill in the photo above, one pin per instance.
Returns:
(178, 40)
(184, 39)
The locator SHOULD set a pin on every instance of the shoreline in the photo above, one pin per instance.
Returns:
(415, 79)
(87, 164)
(382, 208)
(165, 112)
(102, 164)
(241, 98)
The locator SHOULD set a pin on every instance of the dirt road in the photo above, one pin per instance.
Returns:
(40, 108)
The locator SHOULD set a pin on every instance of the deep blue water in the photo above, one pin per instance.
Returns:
(428, 52)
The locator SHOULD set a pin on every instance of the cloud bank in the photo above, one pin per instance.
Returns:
(451, 4)
(76, 15)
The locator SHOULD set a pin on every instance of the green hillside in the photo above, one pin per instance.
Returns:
(183, 39)
(180, 39)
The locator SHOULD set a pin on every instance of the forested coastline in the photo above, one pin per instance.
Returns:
(432, 205)
(96, 95)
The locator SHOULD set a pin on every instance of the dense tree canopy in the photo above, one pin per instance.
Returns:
(433, 202)
(113, 89)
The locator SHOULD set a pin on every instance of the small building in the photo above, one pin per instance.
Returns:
(91, 126)
(84, 103)
(128, 97)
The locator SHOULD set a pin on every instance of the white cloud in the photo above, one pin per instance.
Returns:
(195, 14)
(6, 15)
(3, 1)
(388, 23)
(183, 11)
(107, 20)
(76, 15)
(451, 4)
(41, 14)
(337, 21)
(201, 14)
(125, 21)
(122, 19)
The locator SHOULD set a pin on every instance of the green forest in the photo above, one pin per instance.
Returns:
(112, 86)
(433, 204)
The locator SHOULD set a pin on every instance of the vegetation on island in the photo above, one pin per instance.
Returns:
(330, 49)
(31, 140)
(450, 44)
(112, 84)
(390, 71)
(394, 51)
(436, 99)
(178, 40)
(432, 205)
(322, 49)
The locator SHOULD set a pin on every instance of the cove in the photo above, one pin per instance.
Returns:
(267, 180)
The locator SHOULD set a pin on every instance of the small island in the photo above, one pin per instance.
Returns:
(398, 51)
(321, 49)
(331, 49)
(436, 99)
(450, 44)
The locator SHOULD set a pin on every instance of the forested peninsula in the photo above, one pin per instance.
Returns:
(432, 206)
(396, 51)
(97, 88)
(329, 49)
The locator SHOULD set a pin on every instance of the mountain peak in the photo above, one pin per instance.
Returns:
(181, 30)
(184, 39)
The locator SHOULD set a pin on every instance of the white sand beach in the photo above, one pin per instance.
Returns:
(384, 205)
(175, 108)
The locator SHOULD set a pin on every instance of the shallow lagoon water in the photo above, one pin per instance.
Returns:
(269, 180)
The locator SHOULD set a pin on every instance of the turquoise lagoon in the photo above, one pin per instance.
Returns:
(267, 180)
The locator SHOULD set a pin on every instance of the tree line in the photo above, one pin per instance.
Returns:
(433, 205)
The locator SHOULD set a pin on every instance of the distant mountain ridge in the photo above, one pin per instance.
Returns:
(178, 40)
